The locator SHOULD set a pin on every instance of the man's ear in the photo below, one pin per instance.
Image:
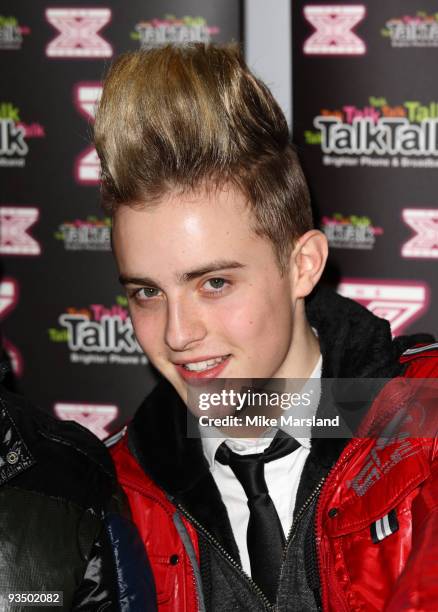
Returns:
(307, 263)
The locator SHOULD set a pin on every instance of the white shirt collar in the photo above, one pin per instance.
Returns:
(212, 438)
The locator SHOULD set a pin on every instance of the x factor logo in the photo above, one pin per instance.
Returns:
(78, 32)
(8, 300)
(399, 302)
(424, 243)
(8, 296)
(334, 30)
(95, 417)
(86, 97)
(15, 358)
(14, 238)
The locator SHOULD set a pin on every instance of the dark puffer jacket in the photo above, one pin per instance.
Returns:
(63, 524)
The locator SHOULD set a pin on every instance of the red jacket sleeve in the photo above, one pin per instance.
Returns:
(417, 587)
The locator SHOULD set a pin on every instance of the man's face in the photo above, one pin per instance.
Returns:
(206, 295)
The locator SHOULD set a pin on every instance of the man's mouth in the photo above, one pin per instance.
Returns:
(205, 368)
(201, 366)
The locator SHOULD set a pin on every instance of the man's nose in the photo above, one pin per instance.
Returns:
(185, 325)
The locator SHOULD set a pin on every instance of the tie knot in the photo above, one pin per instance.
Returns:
(249, 469)
(281, 445)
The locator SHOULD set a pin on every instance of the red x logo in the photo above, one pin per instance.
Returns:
(424, 222)
(400, 303)
(334, 30)
(8, 301)
(96, 417)
(78, 29)
(86, 97)
(15, 222)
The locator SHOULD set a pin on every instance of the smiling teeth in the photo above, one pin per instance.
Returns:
(199, 366)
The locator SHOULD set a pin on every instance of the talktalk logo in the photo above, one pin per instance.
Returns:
(350, 232)
(15, 223)
(172, 30)
(95, 417)
(13, 135)
(92, 234)
(399, 302)
(11, 33)
(78, 32)
(424, 222)
(10, 112)
(378, 135)
(420, 30)
(8, 301)
(86, 96)
(334, 30)
(13, 147)
(99, 335)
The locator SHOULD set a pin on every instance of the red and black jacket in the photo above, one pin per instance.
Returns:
(376, 520)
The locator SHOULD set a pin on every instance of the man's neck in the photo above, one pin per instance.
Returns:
(304, 351)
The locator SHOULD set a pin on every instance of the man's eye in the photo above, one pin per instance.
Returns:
(145, 293)
(215, 284)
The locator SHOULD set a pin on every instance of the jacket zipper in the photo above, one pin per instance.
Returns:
(318, 519)
(196, 586)
(236, 566)
(140, 489)
(299, 515)
(227, 557)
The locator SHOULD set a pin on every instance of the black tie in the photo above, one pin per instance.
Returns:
(265, 535)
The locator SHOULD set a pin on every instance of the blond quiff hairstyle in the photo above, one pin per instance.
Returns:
(178, 118)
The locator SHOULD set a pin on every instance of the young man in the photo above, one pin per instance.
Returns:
(213, 236)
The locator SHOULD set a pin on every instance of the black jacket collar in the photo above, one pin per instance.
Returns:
(15, 455)
(353, 342)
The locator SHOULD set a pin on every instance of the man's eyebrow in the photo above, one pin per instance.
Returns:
(214, 266)
(184, 277)
(137, 280)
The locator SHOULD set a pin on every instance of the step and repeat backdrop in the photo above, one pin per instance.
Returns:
(63, 316)
(365, 106)
(365, 117)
